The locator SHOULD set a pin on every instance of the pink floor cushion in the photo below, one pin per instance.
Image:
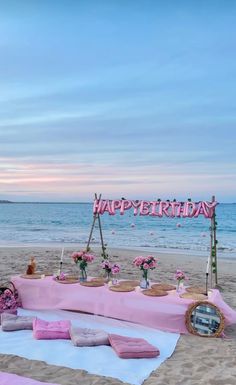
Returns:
(44, 330)
(11, 322)
(88, 337)
(128, 347)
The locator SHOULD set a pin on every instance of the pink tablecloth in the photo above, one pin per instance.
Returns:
(164, 313)
(14, 379)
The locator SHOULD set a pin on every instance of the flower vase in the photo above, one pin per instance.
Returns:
(144, 283)
(180, 285)
(114, 281)
(83, 275)
(107, 277)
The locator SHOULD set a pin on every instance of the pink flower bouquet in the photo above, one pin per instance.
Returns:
(109, 268)
(180, 275)
(145, 264)
(82, 258)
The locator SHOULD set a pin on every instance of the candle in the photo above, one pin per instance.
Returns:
(62, 253)
(208, 264)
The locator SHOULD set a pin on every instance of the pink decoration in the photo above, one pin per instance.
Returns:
(156, 208)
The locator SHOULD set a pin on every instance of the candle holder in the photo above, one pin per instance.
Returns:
(207, 274)
(61, 263)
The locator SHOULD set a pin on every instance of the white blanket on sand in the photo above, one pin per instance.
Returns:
(100, 360)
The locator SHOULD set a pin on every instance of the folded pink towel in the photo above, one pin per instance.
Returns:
(128, 347)
(11, 322)
(88, 337)
(44, 330)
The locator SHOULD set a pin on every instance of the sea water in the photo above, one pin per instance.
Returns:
(54, 223)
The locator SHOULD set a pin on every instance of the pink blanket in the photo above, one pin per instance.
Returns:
(44, 330)
(13, 379)
(128, 347)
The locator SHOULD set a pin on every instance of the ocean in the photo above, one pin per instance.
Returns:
(54, 223)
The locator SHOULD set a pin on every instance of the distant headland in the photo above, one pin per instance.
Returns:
(5, 201)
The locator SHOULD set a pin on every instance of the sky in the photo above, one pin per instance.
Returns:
(125, 98)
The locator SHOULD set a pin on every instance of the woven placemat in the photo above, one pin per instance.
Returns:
(121, 289)
(163, 286)
(196, 289)
(131, 283)
(98, 279)
(67, 280)
(92, 283)
(154, 293)
(195, 296)
(30, 276)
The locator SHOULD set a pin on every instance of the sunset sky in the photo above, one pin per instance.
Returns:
(124, 98)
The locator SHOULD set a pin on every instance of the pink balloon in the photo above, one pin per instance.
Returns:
(144, 208)
(115, 205)
(125, 205)
(136, 205)
(107, 207)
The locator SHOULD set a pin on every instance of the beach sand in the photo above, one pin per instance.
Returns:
(195, 361)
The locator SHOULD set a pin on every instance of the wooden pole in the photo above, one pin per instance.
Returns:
(214, 245)
(211, 257)
(92, 227)
(213, 250)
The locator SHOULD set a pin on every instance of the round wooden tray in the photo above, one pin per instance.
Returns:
(154, 293)
(196, 290)
(92, 283)
(131, 283)
(68, 280)
(97, 279)
(163, 286)
(121, 289)
(31, 276)
(195, 296)
(46, 273)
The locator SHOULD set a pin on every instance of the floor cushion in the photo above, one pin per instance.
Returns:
(129, 347)
(11, 322)
(48, 330)
(88, 337)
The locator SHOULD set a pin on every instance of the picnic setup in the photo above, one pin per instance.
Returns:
(134, 324)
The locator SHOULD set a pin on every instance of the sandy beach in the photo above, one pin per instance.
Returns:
(195, 360)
